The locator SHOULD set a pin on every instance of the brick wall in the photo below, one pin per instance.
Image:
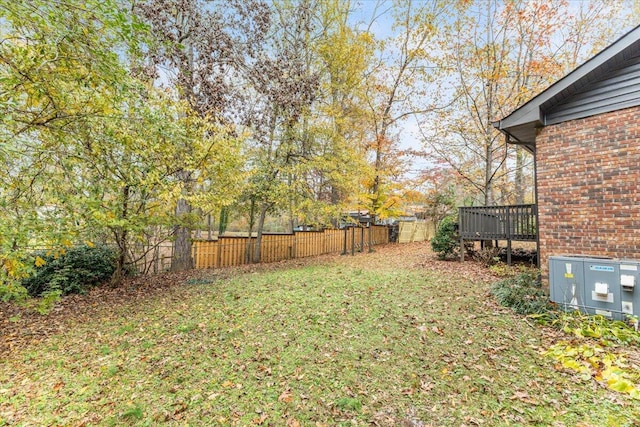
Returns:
(589, 187)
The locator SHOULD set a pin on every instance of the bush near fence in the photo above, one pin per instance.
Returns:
(229, 251)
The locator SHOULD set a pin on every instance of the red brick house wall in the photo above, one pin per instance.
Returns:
(588, 175)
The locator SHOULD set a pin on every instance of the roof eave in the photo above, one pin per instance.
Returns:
(523, 135)
(531, 111)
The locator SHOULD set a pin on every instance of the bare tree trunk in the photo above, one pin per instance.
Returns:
(182, 259)
(224, 220)
(488, 174)
(252, 220)
(121, 237)
(291, 203)
(118, 273)
(519, 178)
(261, 218)
(199, 227)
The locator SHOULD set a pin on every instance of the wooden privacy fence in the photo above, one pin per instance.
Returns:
(229, 251)
(415, 231)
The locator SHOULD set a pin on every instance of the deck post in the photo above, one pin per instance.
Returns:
(508, 236)
(461, 222)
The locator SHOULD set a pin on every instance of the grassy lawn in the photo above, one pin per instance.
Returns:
(386, 339)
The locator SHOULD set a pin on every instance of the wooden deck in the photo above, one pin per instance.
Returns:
(509, 223)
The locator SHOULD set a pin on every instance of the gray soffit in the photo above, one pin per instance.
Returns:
(607, 82)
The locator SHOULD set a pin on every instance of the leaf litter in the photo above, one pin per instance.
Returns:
(391, 338)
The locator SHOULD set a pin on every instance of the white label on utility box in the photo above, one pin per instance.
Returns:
(627, 267)
(627, 307)
(627, 282)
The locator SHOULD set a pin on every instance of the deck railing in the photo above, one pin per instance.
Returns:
(517, 222)
(510, 223)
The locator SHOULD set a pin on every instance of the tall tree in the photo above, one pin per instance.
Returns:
(285, 87)
(129, 164)
(398, 85)
(201, 48)
(308, 131)
(342, 55)
(58, 66)
(91, 153)
(346, 55)
(497, 55)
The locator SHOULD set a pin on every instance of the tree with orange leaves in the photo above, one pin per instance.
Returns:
(397, 85)
(496, 55)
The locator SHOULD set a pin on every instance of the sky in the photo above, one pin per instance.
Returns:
(374, 15)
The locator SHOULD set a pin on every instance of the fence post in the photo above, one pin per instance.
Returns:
(344, 243)
(353, 240)
(293, 250)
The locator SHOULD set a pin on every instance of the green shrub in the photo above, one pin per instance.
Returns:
(597, 327)
(71, 272)
(445, 242)
(522, 293)
(504, 271)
